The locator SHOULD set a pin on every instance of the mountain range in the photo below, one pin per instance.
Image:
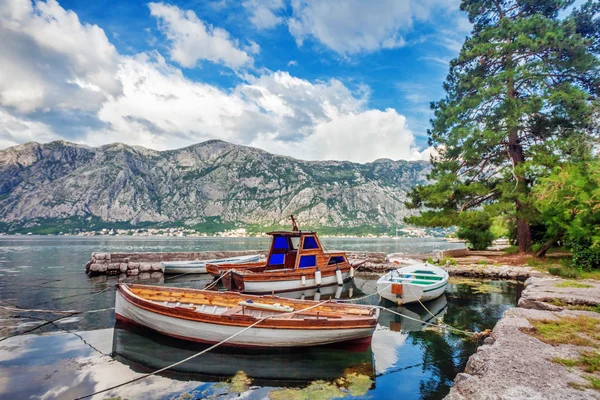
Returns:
(210, 185)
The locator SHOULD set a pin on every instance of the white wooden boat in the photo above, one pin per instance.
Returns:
(420, 282)
(210, 317)
(199, 266)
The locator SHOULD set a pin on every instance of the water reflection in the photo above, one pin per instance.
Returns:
(406, 360)
(144, 351)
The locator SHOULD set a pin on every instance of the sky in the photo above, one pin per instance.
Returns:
(312, 79)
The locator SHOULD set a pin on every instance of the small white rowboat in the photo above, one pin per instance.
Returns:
(210, 317)
(199, 266)
(421, 282)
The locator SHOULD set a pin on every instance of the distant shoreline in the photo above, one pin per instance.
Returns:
(212, 236)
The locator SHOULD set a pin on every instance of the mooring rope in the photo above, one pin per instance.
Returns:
(443, 325)
(68, 313)
(200, 352)
(214, 282)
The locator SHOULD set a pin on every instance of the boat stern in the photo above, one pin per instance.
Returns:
(233, 281)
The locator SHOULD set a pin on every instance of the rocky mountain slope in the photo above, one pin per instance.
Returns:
(214, 181)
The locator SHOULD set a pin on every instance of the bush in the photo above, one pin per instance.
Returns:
(585, 255)
(474, 227)
(479, 239)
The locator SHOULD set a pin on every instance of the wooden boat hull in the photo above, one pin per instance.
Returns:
(411, 292)
(214, 329)
(265, 284)
(199, 266)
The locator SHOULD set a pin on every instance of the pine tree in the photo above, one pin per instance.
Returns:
(522, 96)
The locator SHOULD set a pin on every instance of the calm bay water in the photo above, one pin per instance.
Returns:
(405, 359)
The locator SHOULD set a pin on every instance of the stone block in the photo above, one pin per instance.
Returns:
(123, 267)
(144, 275)
(112, 266)
(98, 268)
(145, 267)
(158, 267)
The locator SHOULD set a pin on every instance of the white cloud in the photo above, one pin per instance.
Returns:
(192, 40)
(275, 111)
(48, 58)
(357, 26)
(292, 63)
(15, 130)
(359, 137)
(53, 62)
(263, 12)
(252, 48)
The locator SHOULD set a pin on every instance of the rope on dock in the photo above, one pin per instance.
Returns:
(214, 346)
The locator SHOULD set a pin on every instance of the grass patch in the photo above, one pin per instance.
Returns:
(565, 361)
(511, 250)
(579, 331)
(589, 361)
(572, 284)
(482, 262)
(580, 307)
(595, 382)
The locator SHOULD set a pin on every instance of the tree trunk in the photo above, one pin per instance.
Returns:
(517, 156)
(515, 150)
(542, 251)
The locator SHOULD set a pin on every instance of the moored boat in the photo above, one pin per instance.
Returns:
(210, 317)
(296, 261)
(419, 282)
(199, 266)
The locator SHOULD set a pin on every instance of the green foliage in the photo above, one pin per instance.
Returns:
(475, 228)
(521, 98)
(500, 227)
(569, 202)
(585, 254)
(447, 261)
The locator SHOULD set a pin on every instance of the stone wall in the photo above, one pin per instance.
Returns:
(136, 263)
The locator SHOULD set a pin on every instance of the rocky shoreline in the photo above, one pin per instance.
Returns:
(520, 361)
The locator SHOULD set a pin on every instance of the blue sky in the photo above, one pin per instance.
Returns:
(310, 79)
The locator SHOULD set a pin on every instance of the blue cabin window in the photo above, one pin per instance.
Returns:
(307, 261)
(277, 259)
(310, 243)
(336, 260)
(280, 243)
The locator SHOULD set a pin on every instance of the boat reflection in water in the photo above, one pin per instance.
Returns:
(144, 351)
(394, 330)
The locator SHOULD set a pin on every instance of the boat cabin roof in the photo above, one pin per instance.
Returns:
(291, 233)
